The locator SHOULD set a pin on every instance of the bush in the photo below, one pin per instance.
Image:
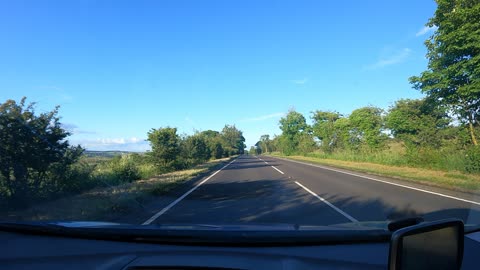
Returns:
(119, 170)
(473, 160)
(124, 169)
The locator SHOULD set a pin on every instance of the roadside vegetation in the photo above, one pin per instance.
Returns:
(37, 163)
(110, 203)
(438, 132)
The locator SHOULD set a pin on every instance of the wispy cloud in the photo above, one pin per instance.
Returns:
(263, 117)
(74, 129)
(426, 30)
(395, 58)
(122, 144)
(300, 82)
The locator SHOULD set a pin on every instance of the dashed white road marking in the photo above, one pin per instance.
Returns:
(271, 166)
(277, 169)
(161, 212)
(385, 182)
(328, 203)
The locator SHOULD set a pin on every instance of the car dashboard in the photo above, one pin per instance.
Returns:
(28, 251)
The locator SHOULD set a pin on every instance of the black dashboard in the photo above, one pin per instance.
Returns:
(27, 251)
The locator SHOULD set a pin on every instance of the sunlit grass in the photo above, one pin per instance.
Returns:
(108, 203)
(448, 179)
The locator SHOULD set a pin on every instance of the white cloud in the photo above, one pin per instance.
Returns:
(74, 129)
(122, 144)
(396, 58)
(425, 30)
(300, 82)
(263, 117)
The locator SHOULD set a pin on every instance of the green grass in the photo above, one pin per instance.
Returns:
(397, 155)
(108, 203)
(455, 180)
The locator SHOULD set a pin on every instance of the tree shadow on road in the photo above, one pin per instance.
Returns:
(281, 201)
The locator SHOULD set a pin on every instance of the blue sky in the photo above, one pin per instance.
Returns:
(120, 68)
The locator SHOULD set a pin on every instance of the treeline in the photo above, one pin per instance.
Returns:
(412, 132)
(439, 131)
(38, 163)
(171, 151)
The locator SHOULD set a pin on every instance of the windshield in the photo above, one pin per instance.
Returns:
(275, 114)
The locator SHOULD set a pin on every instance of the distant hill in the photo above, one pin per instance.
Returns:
(90, 153)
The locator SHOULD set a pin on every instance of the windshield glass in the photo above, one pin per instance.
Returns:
(258, 113)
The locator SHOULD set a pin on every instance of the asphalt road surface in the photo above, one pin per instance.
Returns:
(261, 190)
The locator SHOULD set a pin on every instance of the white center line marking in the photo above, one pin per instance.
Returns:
(277, 170)
(386, 182)
(328, 203)
(161, 212)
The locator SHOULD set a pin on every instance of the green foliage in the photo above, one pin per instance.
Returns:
(453, 74)
(325, 130)
(214, 143)
(293, 124)
(294, 127)
(306, 144)
(34, 154)
(421, 136)
(165, 145)
(366, 126)
(194, 150)
(473, 160)
(37, 162)
(233, 141)
(417, 122)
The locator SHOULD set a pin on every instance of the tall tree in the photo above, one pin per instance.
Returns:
(30, 145)
(233, 139)
(292, 126)
(366, 125)
(195, 150)
(214, 143)
(165, 144)
(417, 122)
(453, 74)
(265, 143)
(324, 128)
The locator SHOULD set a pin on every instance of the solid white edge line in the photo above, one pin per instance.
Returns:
(328, 203)
(386, 182)
(277, 170)
(161, 212)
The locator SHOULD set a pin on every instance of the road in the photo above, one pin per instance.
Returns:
(269, 190)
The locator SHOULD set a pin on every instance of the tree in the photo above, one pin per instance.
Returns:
(165, 147)
(292, 126)
(343, 136)
(453, 74)
(366, 126)
(214, 143)
(195, 150)
(417, 122)
(265, 143)
(234, 142)
(324, 128)
(32, 147)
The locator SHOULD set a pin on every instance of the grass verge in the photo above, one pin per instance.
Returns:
(453, 180)
(111, 202)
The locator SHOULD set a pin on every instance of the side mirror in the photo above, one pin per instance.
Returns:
(431, 245)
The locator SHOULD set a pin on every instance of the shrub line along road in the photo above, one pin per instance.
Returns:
(269, 190)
